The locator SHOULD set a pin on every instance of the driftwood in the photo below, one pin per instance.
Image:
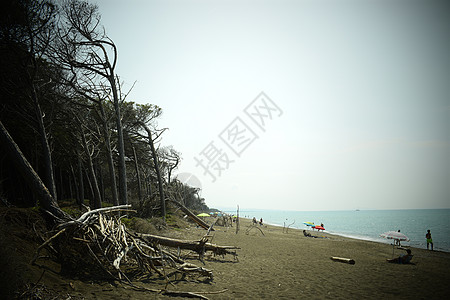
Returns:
(197, 246)
(249, 228)
(285, 229)
(191, 215)
(100, 239)
(237, 220)
(343, 260)
(225, 221)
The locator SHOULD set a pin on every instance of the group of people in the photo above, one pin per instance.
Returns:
(256, 222)
(427, 236)
(406, 258)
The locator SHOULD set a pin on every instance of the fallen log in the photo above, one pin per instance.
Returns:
(191, 215)
(197, 246)
(343, 260)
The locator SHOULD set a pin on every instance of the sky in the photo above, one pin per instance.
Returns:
(296, 105)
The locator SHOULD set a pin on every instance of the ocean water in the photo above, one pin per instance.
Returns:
(368, 224)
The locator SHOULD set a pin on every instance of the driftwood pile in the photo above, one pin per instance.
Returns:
(101, 242)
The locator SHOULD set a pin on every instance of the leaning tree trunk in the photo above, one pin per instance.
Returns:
(191, 215)
(31, 177)
(158, 173)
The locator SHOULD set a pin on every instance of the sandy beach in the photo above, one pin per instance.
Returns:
(280, 265)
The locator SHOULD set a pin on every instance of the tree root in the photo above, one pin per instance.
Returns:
(123, 255)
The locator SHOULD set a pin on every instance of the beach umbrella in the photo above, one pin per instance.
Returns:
(318, 227)
(309, 224)
(203, 215)
(394, 235)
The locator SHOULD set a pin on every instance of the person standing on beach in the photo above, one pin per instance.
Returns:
(396, 241)
(429, 239)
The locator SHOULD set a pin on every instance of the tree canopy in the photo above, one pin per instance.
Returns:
(63, 107)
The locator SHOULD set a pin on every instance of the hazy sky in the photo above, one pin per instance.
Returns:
(356, 110)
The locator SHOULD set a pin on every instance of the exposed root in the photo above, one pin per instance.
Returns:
(99, 238)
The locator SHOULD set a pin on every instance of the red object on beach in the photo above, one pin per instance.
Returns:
(319, 227)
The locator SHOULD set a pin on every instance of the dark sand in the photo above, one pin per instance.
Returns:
(290, 266)
(277, 265)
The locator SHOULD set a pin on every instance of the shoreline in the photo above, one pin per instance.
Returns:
(280, 265)
(349, 236)
(271, 264)
(414, 243)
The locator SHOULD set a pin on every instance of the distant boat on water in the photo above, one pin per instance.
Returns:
(357, 209)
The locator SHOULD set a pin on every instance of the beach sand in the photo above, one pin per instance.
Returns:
(280, 265)
(285, 265)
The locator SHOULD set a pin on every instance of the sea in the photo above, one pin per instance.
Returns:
(367, 224)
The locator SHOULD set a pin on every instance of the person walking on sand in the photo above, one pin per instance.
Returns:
(429, 239)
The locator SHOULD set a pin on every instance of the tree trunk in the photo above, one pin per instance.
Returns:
(138, 177)
(191, 215)
(92, 196)
(112, 172)
(80, 178)
(71, 180)
(149, 186)
(46, 152)
(171, 168)
(158, 173)
(61, 185)
(90, 169)
(120, 143)
(197, 246)
(98, 171)
(31, 177)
